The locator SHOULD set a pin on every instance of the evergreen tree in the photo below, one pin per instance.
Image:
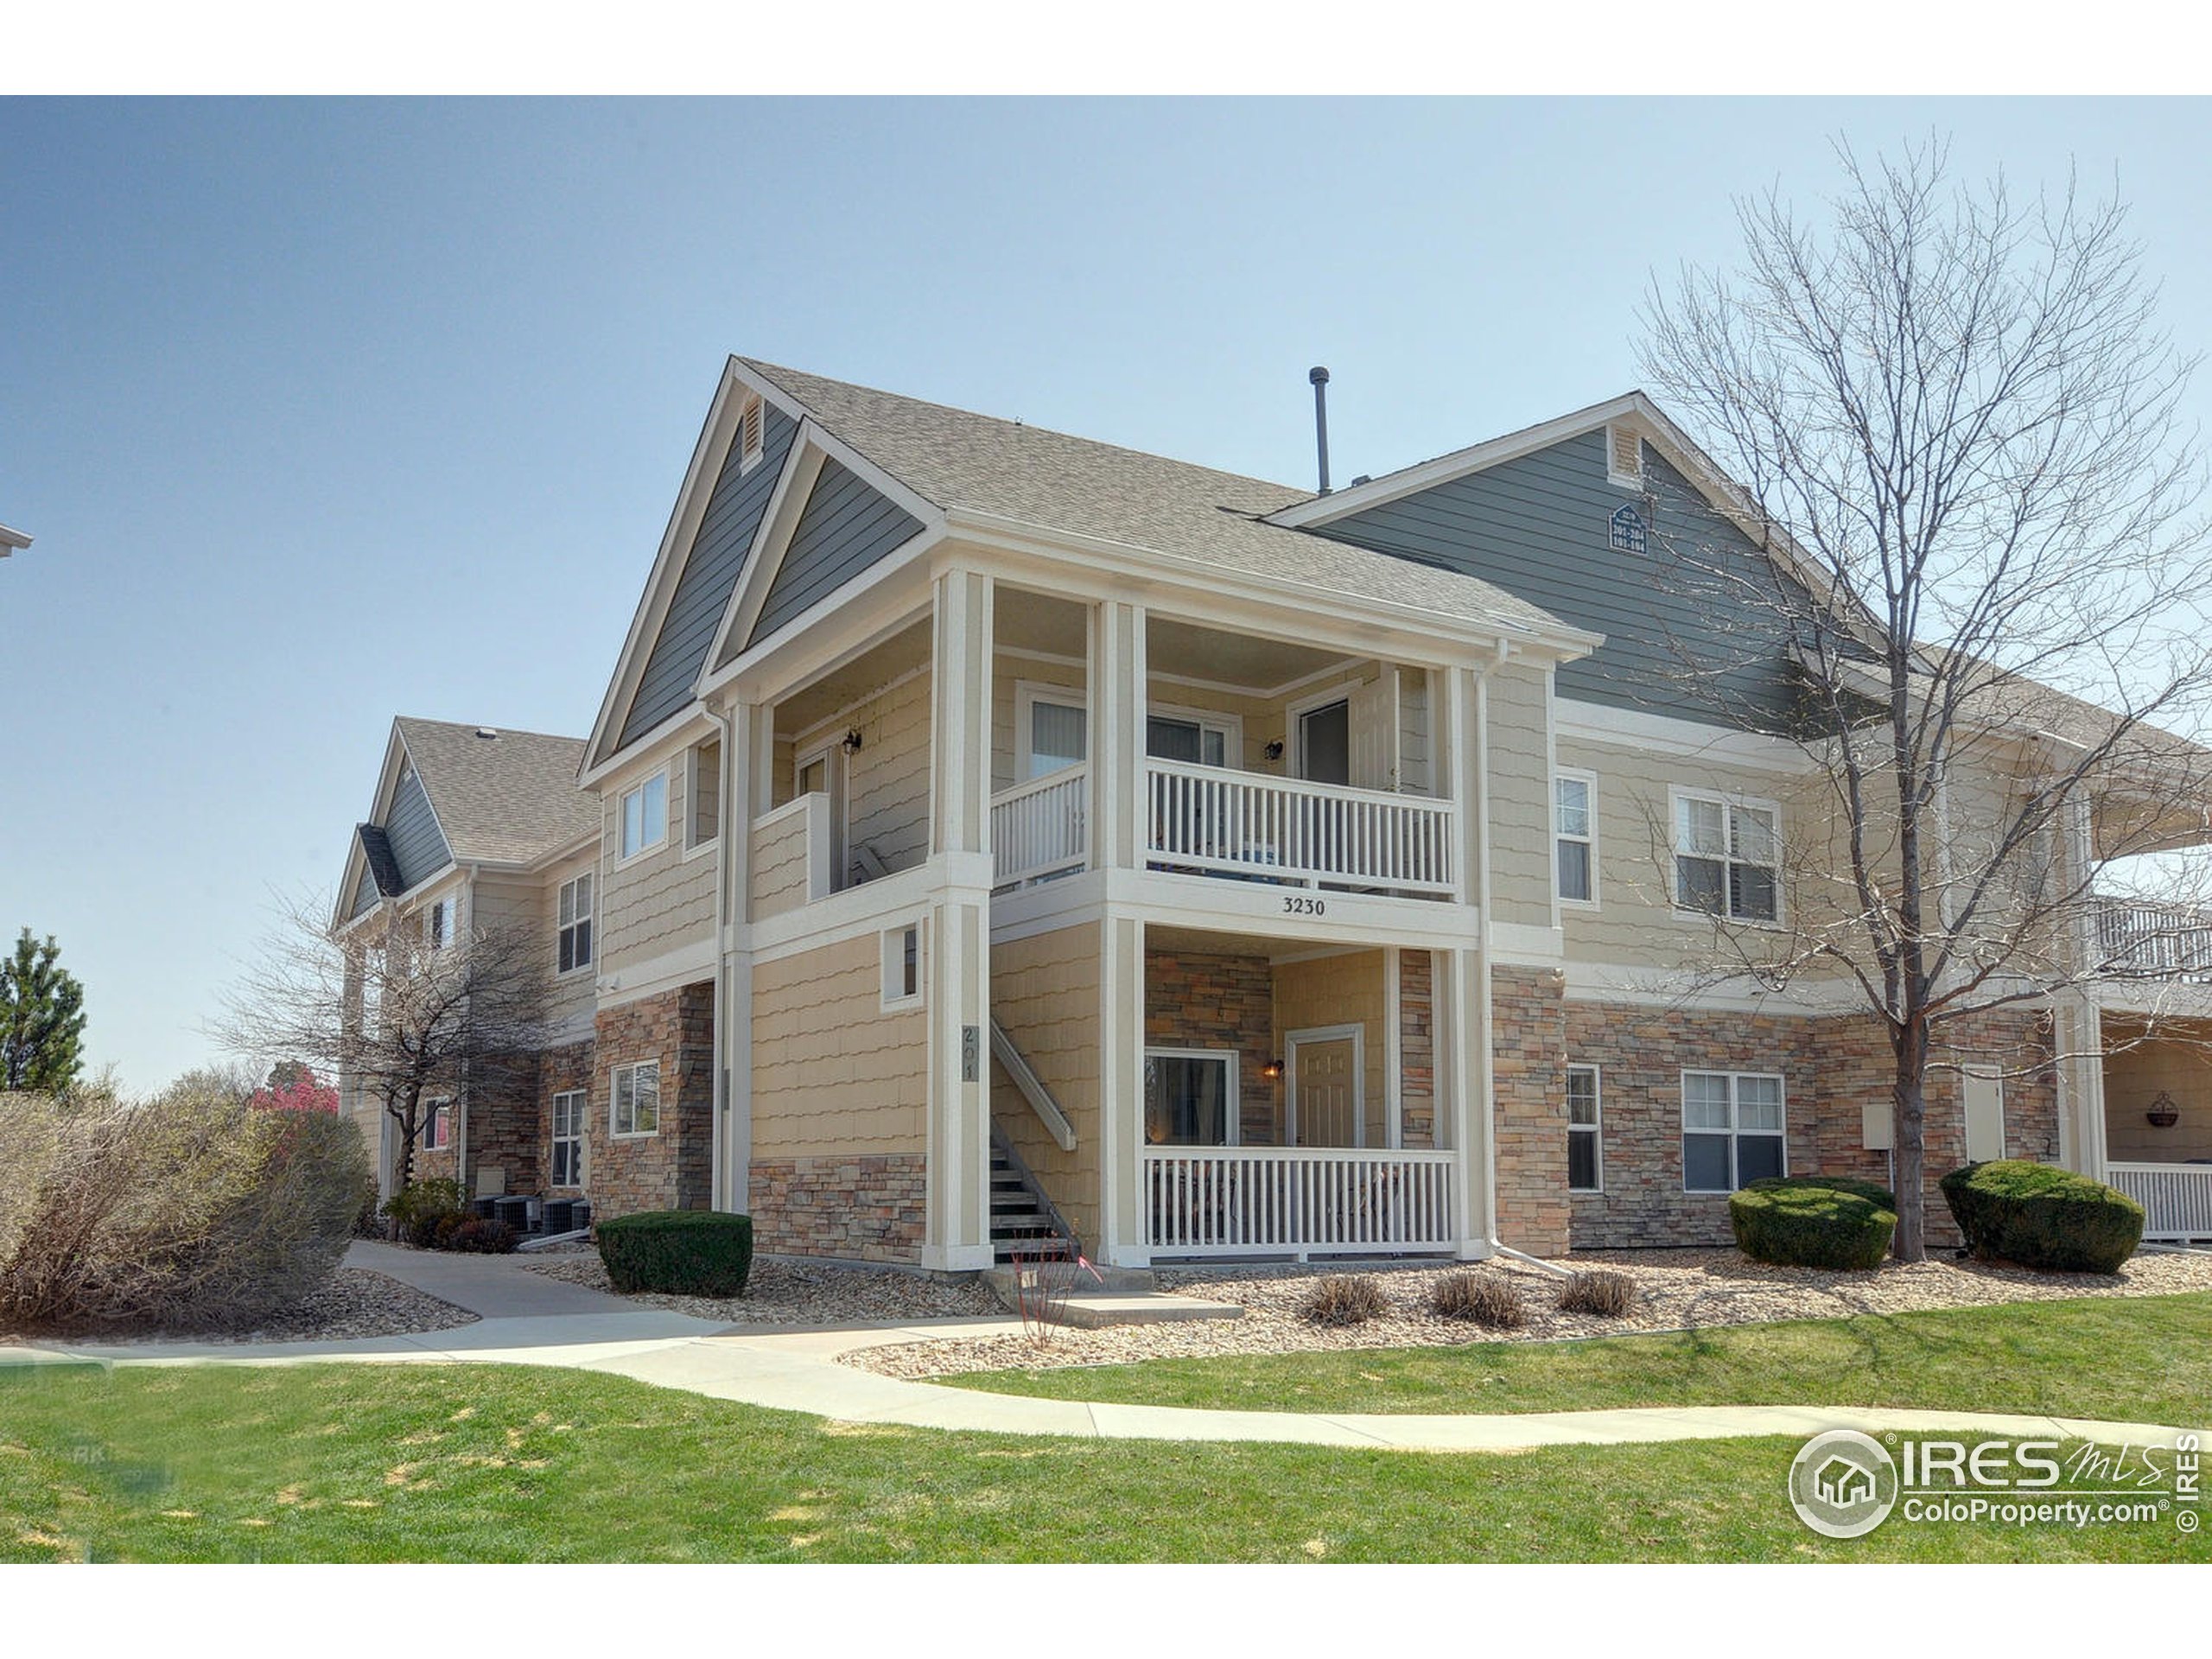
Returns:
(41, 1020)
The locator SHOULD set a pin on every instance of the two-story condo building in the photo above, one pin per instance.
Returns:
(982, 821)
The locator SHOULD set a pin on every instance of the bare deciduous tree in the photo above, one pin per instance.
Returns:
(1955, 421)
(403, 1020)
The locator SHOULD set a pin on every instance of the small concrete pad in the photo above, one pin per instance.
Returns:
(1156, 1308)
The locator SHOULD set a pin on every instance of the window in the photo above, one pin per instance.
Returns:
(703, 794)
(1585, 1164)
(635, 1109)
(1731, 1129)
(576, 923)
(1190, 1098)
(902, 967)
(1054, 732)
(436, 1131)
(569, 1137)
(1196, 740)
(438, 923)
(1725, 857)
(645, 816)
(1574, 828)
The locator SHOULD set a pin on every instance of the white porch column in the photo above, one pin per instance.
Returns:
(1463, 1091)
(748, 784)
(956, 943)
(2080, 1030)
(1121, 1090)
(1116, 714)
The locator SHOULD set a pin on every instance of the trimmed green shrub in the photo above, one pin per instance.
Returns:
(426, 1209)
(1344, 1299)
(678, 1252)
(2011, 1210)
(1481, 1297)
(1814, 1221)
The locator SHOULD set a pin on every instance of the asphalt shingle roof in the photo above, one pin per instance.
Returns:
(510, 798)
(956, 459)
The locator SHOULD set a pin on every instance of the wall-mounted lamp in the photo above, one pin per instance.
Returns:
(1272, 1070)
(852, 739)
(2163, 1114)
(1273, 751)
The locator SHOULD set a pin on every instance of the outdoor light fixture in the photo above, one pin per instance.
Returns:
(1272, 1070)
(2163, 1114)
(852, 743)
(1273, 751)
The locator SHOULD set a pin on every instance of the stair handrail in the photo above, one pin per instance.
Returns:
(1032, 1088)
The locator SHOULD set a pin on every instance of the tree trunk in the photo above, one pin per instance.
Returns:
(1909, 1100)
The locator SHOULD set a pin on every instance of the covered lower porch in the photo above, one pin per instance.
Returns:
(2157, 1101)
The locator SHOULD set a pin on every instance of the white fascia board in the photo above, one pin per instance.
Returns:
(1212, 585)
(586, 843)
(714, 437)
(1721, 745)
(10, 540)
(647, 752)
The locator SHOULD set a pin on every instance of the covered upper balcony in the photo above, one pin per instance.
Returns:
(1264, 759)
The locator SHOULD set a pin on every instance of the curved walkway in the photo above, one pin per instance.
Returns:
(790, 1369)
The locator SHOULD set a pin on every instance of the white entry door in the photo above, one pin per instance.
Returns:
(1326, 1094)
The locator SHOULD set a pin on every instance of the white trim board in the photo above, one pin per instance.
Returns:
(1721, 745)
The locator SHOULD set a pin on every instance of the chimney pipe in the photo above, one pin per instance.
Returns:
(1319, 377)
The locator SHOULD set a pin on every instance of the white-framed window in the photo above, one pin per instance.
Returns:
(752, 435)
(1574, 835)
(702, 794)
(634, 1107)
(574, 950)
(1586, 1152)
(1194, 736)
(645, 816)
(438, 922)
(1732, 1132)
(1728, 856)
(1051, 730)
(569, 1137)
(902, 967)
(436, 1131)
(1190, 1098)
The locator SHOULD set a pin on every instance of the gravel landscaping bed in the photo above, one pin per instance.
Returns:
(794, 1293)
(1675, 1289)
(356, 1303)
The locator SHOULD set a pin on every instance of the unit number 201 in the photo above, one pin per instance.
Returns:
(1299, 904)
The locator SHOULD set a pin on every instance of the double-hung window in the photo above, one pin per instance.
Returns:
(1731, 1129)
(1575, 833)
(1727, 857)
(436, 1131)
(438, 923)
(1585, 1157)
(645, 815)
(635, 1109)
(575, 947)
(1053, 732)
(569, 1137)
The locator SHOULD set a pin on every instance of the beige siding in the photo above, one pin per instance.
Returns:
(660, 901)
(888, 779)
(779, 865)
(2135, 1077)
(1007, 672)
(573, 997)
(1045, 992)
(833, 1074)
(1339, 991)
(1520, 804)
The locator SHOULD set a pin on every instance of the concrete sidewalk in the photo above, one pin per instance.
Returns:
(531, 1320)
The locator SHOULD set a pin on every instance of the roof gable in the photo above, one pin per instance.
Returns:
(846, 527)
(500, 796)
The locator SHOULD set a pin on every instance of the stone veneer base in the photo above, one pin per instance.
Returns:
(869, 1207)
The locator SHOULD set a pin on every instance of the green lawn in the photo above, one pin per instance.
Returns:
(2133, 1359)
(483, 1462)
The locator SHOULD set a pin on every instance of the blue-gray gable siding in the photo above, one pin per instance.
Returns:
(1675, 643)
(364, 893)
(710, 572)
(416, 842)
(848, 525)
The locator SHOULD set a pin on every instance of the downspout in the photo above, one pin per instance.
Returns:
(1485, 1053)
(717, 1144)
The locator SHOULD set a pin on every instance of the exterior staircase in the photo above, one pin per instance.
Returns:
(1021, 1213)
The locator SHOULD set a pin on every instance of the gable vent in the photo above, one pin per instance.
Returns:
(751, 435)
(1624, 457)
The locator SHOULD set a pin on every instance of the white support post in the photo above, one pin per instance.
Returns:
(1462, 1092)
(1121, 1090)
(1394, 1049)
(956, 944)
(1116, 702)
(746, 782)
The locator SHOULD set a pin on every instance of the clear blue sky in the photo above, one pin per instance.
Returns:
(321, 412)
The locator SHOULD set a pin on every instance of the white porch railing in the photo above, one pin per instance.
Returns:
(1283, 830)
(1040, 827)
(2177, 1197)
(2171, 941)
(1268, 1200)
